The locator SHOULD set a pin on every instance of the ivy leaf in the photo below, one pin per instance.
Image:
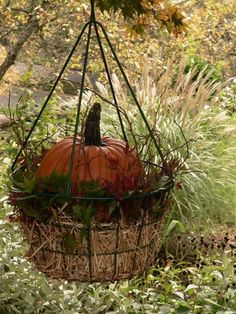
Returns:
(69, 241)
(87, 217)
(87, 186)
(111, 205)
(84, 213)
(83, 234)
(77, 210)
(17, 178)
(55, 182)
(30, 212)
(29, 184)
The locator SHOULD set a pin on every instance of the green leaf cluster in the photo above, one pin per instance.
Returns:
(23, 182)
(84, 212)
(200, 65)
(91, 189)
(55, 183)
(69, 241)
(128, 8)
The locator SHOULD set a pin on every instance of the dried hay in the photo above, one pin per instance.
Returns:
(101, 252)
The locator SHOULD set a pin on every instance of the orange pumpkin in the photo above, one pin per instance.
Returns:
(109, 161)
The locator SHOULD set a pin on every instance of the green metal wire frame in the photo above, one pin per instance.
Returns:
(94, 25)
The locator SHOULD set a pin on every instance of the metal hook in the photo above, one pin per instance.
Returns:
(92, 14)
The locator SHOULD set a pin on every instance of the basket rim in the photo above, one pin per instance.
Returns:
(133, 195)
(73, 223)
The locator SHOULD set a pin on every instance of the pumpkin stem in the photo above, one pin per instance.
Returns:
(92, 134)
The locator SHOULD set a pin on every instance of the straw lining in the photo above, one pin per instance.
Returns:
(101, 252)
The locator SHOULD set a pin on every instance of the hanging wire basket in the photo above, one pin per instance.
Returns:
(104, 253)
(116, 246)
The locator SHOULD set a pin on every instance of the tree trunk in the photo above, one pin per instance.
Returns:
(22, 39)
(14, 50)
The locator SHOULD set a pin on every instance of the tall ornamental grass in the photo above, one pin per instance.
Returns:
(189, 114)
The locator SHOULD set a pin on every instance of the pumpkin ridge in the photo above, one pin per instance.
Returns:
(49, 166)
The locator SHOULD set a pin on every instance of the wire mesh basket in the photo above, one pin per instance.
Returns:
(66, 249)
(118, 245)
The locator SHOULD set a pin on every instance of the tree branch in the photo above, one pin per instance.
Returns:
(22, 39)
